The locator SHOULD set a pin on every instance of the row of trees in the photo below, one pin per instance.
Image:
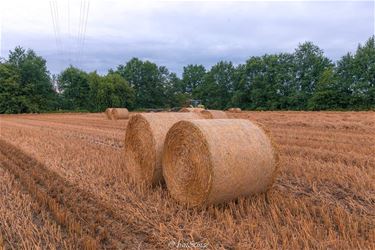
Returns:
(303, 80)
(25, 85)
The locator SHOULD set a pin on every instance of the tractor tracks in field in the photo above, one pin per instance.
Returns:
(96, 224)
(68, 132)
(1, 242)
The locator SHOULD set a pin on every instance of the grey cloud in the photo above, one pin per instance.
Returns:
(175, 34)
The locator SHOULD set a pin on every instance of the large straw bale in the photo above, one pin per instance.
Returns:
(108, 113)
(214, 114)
(212, 161)
(120, 113)
(144, 141)
(195, 110)
(235, 110)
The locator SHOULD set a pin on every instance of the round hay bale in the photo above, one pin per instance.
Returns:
(235, 110)
(212, 161)
(214, 114)
(195, 110)
(120, 113)
(108, 113)
(144, 141)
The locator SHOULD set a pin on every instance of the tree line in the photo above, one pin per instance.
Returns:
(303, 80)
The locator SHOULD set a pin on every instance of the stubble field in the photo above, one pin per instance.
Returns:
(62, 186)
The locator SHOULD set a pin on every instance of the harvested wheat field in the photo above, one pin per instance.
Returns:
(62, 186)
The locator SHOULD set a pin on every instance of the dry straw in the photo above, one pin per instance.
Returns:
(108, 113)
(214, 114)
(212, 161)
(235, 110)
(144, 141)
(194, 110)
(120, 113)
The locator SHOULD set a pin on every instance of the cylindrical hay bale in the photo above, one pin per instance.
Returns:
(195, 110)
(212, 161)
(214, 114)
(144, 142)
(235, 110)
(120, 113)
(108, 113)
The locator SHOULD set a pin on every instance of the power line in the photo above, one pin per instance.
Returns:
(69, 35)
(83, 18)
(59, 33)
(82, 31)
(85, 27)
(1, 30)
(57, 24)
(80, 24)
(53, 22)
(71, 47)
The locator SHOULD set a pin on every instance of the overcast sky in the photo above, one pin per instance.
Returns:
(177, 33)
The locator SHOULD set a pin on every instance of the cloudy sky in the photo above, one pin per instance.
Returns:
(176, 33)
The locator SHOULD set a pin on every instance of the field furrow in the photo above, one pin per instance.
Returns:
(78, 211)
(323, 197)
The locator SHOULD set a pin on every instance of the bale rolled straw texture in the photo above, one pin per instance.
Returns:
(235, 110)
(144, 141)
(108, 113)
(214, 114)
(212, 161)
(120, 113)
(195, 110)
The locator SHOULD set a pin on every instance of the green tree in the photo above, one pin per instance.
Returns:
(285, 81)
(146, 79)
(25, 83)
(193, 77)
(265, 82)
(254, 84)
(74, 84)
(363, 75)
(111, 90)
(122, 94)
(175, 91)
(218, 86)
(11, 96)
(98, 101)
(310, 63)
(343, 82)
(326, 95)
(356, 78)
(239, 97)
